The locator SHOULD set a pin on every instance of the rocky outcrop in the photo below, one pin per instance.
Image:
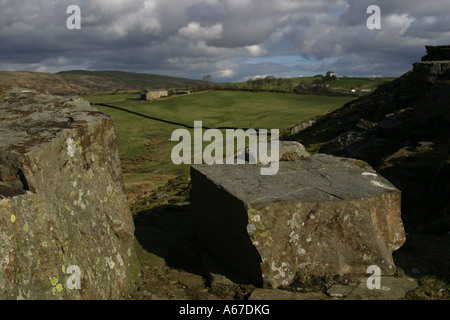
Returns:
(297, 128)
(66, 231)
(387, 129)
(431, 70)
(437, 53)
(320, 216)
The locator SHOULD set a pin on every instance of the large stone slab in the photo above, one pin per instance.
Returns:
(63, 211)
(322, 215)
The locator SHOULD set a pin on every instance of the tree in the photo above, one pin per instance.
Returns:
(249, 84)
(280, 82)
(289, 84)
(207, 78)
(259, 84)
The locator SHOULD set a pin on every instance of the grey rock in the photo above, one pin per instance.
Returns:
(62, 201)
(341, 144)
(298, 127)
(322, 216)
(365, 124)
(288, 151)
(431, 70)
(339, 291)
(391, 289)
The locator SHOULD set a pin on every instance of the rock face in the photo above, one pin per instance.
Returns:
(437, 53)
(297, 128)
(322, 215)
(386, 128)
(431, 70)
(66, 231)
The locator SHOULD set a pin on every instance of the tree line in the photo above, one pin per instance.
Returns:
(319, 85)
(268, 84)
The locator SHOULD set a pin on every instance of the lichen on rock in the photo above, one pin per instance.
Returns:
(62, 202)
(320, 216)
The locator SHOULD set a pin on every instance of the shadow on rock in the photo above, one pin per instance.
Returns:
(424, 255)
(167, 236)
(168, 233)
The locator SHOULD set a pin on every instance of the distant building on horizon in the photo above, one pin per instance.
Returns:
(330, 74)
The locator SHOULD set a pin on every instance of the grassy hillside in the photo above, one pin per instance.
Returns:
(83, 82)
(87, 82)
(138, 80)
(59, 84)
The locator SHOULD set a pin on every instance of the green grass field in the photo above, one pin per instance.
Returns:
(145, 146)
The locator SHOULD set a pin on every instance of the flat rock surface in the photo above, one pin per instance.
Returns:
(29, 118)
(391, 288)
(319, 178)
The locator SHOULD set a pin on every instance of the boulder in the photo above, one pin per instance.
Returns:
(288, 151)
(355, 144)
(292, 130)
(322, 215)
(66, 231)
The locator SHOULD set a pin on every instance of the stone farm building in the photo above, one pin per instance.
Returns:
(330, 74)
(154, 94)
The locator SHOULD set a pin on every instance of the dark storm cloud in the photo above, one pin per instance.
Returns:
(191, 38)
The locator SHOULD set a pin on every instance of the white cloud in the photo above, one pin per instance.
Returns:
(259, 76)
(195, 31)
(255, 50)
(227, 73)
(191, 38)
(398, 22)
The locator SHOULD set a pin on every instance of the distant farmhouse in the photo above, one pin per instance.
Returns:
(153, 94)
(330, 74)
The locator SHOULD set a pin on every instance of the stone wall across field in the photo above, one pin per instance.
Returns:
(66, 231)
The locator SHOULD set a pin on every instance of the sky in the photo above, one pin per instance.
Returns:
(231, 40)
